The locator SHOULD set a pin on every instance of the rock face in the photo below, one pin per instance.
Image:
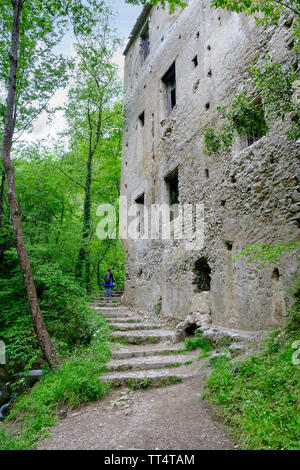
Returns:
(250, 193)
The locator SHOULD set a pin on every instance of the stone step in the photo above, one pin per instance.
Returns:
(153, 377)
(117, 319)
(115, 314)
(144, 336)
(113, 309)
(132, 350)
(151, 362)
(108, 304)
(134, 326)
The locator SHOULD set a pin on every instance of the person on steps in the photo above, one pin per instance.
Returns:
(108, 282)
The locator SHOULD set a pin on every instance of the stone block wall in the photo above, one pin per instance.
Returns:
(250, 195)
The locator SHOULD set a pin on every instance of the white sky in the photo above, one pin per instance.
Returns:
(126, 16)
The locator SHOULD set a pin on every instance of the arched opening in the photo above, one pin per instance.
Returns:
(202, 273)
(190, 330)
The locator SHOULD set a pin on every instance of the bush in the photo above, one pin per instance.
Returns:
(75, 381)
(198, 342)
(259, 396)
(63, 304)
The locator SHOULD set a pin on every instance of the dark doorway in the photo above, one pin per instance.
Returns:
(202, 273)
(169, 79)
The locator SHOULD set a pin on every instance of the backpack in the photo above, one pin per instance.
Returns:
(107, 278)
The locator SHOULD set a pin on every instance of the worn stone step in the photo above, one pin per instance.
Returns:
(117, 319)
(108, 309)
(133, 350)
(134, 326)
(106, 303)
(150, 362)
(153, 377)
(144, 336)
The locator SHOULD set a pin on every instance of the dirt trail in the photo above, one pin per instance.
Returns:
(170, 417)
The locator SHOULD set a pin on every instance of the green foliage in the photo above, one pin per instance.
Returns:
(73, 382)
(276, 86)
(259, 396)
(264, 253)
(158, 307)
(173, 379)
(242, 117)
(198, 342)
(139, 383)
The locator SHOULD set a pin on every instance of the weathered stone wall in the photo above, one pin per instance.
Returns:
(250, 195)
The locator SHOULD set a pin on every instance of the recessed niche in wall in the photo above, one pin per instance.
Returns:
(190, 330)
(142, 118)
(233, 178)
(223, 202)
(202, 274)
(197, 35)
(208, 47)
(228, 245)
(206, 172)
(207, 105)
(195, 61)
(275, 274)
(209, 73)
(196, 86)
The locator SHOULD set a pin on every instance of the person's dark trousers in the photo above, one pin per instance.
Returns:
(108, 291)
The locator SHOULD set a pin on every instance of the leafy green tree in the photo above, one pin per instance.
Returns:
(90, 107)
(30, 31)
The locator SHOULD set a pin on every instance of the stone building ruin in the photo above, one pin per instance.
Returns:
(178, 68)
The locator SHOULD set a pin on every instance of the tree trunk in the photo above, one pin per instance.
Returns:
(3, 244)
(37, 319)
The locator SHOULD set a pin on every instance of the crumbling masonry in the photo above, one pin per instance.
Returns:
(178, 68)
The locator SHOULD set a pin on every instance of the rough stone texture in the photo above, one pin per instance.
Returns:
(250, 194)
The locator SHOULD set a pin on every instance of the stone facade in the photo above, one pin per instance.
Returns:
(250, 194)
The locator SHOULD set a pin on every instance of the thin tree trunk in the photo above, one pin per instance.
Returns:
(37, 319)
(3, 245)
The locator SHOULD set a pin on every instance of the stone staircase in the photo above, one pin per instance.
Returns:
(143, 353)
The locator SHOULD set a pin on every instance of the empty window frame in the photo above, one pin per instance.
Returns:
(259, 124)
(140, 200)
(169, 80)
(145, 43)
(142, 118)
(171, 181)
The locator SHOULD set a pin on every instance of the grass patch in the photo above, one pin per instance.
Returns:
(173, 379)
(187, 363)
(154, 339)
(198, 341)
(205, 355)
(139, 384)
(259, 396)
(74, 382)
(174, 364)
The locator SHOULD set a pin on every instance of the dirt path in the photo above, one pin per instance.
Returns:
(172, 417)
(169, 417)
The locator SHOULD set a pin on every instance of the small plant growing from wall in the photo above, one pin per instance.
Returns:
(158, 306)
(275, 87)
